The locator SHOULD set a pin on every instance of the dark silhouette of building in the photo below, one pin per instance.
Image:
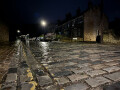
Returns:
(89, 26)
(4, 33)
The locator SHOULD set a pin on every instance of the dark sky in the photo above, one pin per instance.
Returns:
(31, 11)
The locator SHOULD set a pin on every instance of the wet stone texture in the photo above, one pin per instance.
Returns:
(26, 86)
(24, 78)
(115, 86)
(75, 66)
(11, 86)
(76, 77)
(95, 73)
(62, 80)
(12, 70)
(114, 76)
(112, 69)
(12, 77)
(79, 86)
(94, 82)
(23, 64)
(44, 80)
(6, 53)
(51, 87)
(39, 72)
(62, 73)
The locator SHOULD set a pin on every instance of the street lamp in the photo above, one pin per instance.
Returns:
(18, 31)
(18, 34)
(43, 24)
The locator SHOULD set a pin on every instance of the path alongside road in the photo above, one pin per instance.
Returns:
(19, 75)
(6, 51)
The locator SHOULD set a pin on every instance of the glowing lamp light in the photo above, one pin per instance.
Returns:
(74, 38)
(43, 23)
(18, 31)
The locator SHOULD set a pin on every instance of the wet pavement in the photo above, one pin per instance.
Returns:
(76, 66)
(63, 66)
(6, 51)
(19, 75)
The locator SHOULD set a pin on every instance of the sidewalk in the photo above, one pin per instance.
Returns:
(6, 51)
(18, 75)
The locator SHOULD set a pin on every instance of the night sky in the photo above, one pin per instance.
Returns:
(25, 15)
(31, 11)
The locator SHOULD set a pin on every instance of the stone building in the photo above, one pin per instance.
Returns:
(4, 33)
(89, 26)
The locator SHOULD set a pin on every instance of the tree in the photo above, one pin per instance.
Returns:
(78, 12)
(90, 4)
(59, 22)
(68, 16)
(115, 26)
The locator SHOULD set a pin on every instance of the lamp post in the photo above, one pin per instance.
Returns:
(18, 33)
(43, 24)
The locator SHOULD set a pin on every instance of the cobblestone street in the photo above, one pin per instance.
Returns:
(64, 66)
(59, 45)
(75, 66)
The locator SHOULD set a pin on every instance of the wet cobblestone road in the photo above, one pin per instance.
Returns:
(76, 66)
(62, 66)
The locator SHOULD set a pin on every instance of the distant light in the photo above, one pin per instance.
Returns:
(74, 38)
(18, 31)
(43, 23)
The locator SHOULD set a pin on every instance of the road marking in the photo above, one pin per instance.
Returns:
(34, 85)
(29, 74)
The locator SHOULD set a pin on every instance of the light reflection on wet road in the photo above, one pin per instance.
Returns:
(68, 60)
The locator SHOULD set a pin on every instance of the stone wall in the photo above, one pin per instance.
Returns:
(109, 38)
(93, 22)
(4, 33)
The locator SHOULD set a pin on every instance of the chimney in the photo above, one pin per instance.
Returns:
(90, 4)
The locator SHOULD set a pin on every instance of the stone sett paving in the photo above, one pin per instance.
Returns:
(18, 74)
(6, 50)
(77, 66)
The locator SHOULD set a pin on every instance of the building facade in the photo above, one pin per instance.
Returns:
(4, 33)
(90, 25)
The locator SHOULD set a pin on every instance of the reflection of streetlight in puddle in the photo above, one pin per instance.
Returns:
(45, 47)
(43, 24)
(28, 43)
(17, 42)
